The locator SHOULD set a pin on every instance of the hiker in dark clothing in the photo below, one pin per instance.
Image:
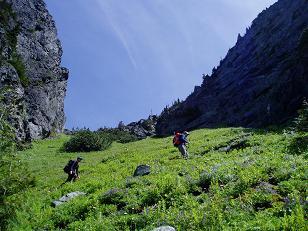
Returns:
(72, 170)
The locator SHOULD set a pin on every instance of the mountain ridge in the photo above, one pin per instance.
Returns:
(261, 81)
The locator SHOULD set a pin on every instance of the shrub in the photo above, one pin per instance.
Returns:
(261, 200)
(301, 122)
(118, 135)
(295, 215)
(303, 40)
(65, 215)
(14, 174)
(298, 145)
(299, 142)
(205, 181)
(17, 63)
(87, 141)
(114, 197)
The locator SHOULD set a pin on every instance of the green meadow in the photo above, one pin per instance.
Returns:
(234, 179)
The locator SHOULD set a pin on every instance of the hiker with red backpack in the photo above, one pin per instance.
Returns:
(180, 141)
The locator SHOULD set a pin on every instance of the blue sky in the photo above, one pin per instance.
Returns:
(128, 58)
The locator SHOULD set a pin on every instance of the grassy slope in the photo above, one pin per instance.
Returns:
(213, 190)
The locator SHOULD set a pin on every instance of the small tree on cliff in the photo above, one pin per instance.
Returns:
(301, 122)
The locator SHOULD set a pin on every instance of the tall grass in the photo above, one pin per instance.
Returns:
(260, 187)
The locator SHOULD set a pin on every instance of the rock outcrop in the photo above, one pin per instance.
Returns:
(164, 228)
(30, 66)
(142, 170)
(141, 129)
(67, 198)
(262, 80)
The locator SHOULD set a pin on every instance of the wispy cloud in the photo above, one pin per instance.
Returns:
(149, 31)
(176, 37)
(110, 16)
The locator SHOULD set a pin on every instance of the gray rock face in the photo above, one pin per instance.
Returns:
(142, 170)
(142, 129)
(67, 198)
(262, 80)
(30, 64)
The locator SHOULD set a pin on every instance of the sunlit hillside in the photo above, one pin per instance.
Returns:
(234, 179)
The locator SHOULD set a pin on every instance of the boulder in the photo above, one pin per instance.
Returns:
(164, 228)
(142, 170)
(67, 198)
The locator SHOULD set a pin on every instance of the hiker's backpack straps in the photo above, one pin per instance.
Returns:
(68, 166)
(182, 139)
(176, 139)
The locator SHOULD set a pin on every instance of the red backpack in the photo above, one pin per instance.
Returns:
(176, 139)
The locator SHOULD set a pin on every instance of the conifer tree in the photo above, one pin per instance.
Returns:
(301, 122)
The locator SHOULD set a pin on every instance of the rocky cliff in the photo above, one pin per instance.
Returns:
(262, 80)
(30, 66)
(142, 128)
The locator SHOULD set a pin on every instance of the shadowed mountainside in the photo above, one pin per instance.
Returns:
(261, 81)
